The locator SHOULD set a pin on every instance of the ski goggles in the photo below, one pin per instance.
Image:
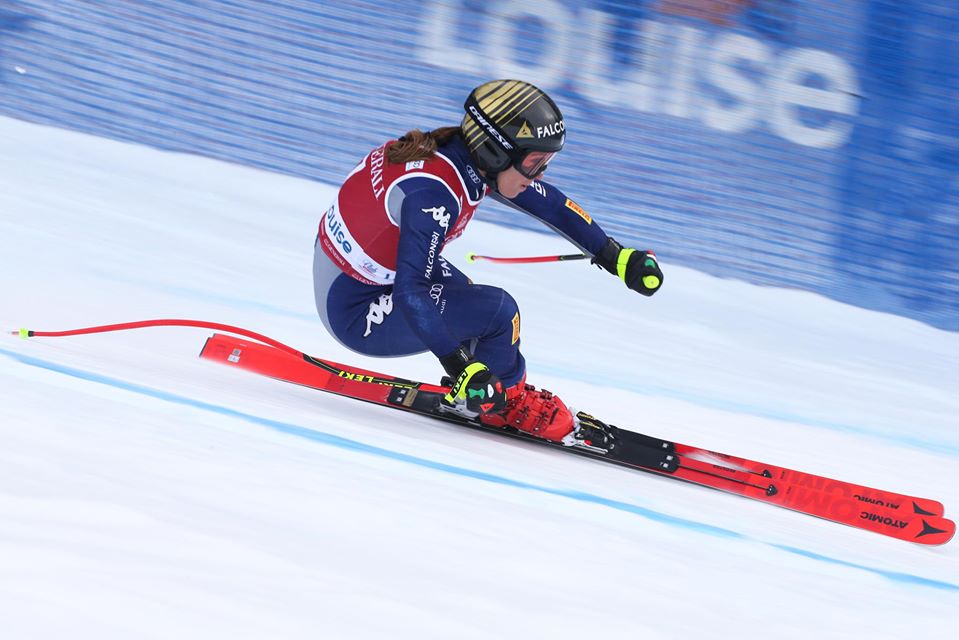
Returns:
(534, 163)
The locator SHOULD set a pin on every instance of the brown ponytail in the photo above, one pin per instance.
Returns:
(417, 145)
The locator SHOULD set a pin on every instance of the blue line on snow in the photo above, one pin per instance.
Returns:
(353, 445)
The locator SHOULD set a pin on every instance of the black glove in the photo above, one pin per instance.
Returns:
(638, 269)
(473, 383)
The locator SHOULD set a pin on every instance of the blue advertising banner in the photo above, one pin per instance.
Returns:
(810, 144)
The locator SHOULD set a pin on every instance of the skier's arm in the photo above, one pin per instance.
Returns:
(426, 210)
(550, 205)
(638, 269)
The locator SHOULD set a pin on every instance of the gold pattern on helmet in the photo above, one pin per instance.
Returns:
(511, 122)
(502, 101)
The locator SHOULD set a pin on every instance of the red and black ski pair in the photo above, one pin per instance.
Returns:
(905, 517)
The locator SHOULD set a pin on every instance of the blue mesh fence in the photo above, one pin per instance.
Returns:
(784, 142)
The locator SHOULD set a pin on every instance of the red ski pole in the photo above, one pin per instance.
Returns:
(166, 322)
(472, 257)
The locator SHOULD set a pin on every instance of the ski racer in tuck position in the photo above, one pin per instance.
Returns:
(383, 287)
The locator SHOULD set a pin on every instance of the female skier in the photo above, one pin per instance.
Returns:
(383, 287)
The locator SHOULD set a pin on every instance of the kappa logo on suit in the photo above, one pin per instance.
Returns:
(439, 214)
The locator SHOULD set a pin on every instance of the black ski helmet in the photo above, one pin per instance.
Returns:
(511, 122)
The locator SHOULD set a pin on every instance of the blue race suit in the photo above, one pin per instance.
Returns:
(382, 286)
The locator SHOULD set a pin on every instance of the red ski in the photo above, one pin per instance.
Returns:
(905, 517)
(807, 484)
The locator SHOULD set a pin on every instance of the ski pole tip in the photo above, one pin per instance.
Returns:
(23, 333)
(471, 257)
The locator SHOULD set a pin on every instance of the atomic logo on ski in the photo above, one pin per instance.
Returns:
(928, 529)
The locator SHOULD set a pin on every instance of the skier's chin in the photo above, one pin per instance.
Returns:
(514, 191)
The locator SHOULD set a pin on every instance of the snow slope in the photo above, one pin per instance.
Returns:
(147, 494)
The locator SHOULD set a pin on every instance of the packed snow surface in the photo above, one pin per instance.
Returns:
(145, 493)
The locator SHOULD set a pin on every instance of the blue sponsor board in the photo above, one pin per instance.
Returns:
(802, 144)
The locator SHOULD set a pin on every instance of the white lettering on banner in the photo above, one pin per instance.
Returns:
(726, 80)
(795, 67)
(559, 45)
(681, 90)
(636, 89)
(439, 214)
(736, 50)
(379, 309)
(440, 42)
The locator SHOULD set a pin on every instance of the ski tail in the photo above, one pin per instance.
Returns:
(306, 370)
